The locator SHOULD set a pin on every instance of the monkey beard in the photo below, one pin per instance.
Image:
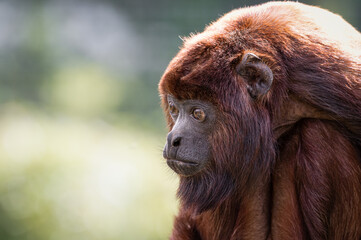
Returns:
(239, 161)
(205, 190)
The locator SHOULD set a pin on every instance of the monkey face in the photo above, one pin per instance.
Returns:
(188, 149)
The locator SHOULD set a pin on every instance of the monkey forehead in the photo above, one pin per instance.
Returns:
(200, 67)
(199, 73)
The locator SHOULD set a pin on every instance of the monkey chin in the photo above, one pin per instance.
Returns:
(184, 168)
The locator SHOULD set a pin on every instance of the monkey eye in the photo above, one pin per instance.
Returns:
(172, 109)
(199, 114)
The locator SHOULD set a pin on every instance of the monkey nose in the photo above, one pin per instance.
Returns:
(174, 140)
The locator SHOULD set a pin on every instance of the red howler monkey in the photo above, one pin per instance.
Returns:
(264, 113)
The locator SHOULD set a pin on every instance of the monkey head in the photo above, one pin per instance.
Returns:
(194, 119)
(212, 96)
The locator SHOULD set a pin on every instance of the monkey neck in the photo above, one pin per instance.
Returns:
(292, 110)
(243, 216)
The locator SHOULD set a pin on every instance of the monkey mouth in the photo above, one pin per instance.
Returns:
(183, 167)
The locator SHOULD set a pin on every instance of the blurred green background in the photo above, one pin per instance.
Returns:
(81, 130)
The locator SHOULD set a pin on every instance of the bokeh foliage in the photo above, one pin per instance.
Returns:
(81, 130)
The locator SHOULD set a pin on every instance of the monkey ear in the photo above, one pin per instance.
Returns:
(257, 75)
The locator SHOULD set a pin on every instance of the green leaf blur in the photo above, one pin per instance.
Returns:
(81, 128)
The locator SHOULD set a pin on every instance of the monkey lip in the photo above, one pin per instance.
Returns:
(183, 167)
(182, 162)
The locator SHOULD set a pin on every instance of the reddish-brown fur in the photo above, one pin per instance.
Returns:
(288, 164)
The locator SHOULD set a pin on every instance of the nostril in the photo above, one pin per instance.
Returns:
(176, 142)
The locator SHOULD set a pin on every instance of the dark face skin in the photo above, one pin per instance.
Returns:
(187, 149)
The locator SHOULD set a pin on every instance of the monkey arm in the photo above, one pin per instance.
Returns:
(317, 185)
